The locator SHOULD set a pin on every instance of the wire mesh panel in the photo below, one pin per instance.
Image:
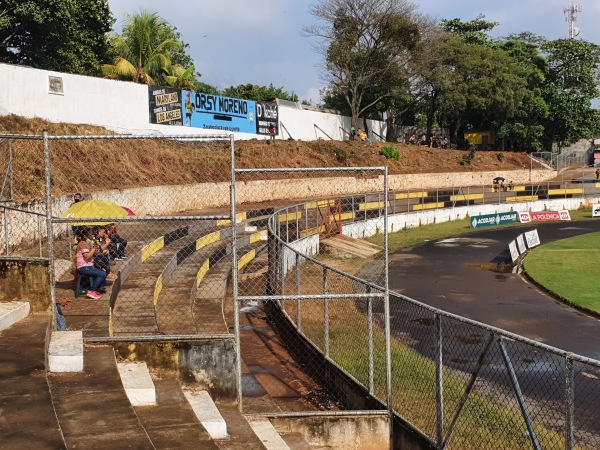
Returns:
(302, 284)
(142, 263)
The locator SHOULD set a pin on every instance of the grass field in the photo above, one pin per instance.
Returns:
(570, 269)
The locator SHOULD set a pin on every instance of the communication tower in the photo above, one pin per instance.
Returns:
(571, 17)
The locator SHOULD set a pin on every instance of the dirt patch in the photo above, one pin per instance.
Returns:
(93, 164)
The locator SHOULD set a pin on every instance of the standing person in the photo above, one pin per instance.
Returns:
(76, 198)
(597, 173)
(117, 243)
(85, 263)
(352, 133)
(271, 132)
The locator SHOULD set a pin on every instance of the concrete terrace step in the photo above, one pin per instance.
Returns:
(12, 312)
(27, 418)
(172, 424)
(92, 407)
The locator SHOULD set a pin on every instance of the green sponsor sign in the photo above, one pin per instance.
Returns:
(493, 220)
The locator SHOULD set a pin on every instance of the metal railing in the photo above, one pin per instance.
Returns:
(453, 379)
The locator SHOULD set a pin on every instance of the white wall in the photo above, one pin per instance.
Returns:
(124, 106)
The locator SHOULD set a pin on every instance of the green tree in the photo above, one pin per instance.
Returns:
(66, 35)
(364, 44)
(572, 84)
(144, 52)
(525, 129)
(258, 93)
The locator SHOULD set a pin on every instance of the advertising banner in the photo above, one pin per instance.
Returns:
(266, 114)
(165, 105)
(596, 210)
(532, 238)
(492, 220)
(542, 216)
(213, 112)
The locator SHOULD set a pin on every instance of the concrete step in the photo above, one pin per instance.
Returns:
(12, 312)
(92, 407)
(267, 434)
(172, 424)
(27, 418)
(137, 383)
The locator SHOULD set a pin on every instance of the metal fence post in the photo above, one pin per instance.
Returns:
(439, 366)
(298, 292)
(371, 345)
(51, 274)
(6, 239)
(39, 227)
(569, 402)
(235, 291)
(326, 309)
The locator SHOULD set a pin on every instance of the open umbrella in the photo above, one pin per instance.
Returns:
(129, 211)
(499, 179)
(94, 209)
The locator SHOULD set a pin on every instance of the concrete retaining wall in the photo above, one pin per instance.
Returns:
(178, 198)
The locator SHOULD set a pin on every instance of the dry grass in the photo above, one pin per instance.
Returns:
(89, 165)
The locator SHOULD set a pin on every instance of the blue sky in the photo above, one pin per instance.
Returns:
(260, 42)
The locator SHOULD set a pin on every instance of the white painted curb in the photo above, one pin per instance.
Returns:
(137, 383)
(12, 312)
(65, 352)
(207, 413)
(266, 432)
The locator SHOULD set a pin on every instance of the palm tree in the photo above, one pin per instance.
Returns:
(143, 52)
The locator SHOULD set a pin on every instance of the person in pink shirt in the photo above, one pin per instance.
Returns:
(86, 250)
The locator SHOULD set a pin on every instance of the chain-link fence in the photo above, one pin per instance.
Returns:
(269, 257)
(317, 318)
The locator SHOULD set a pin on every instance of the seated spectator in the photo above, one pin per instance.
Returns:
(117, 243)
(85, 263)
(363, 135)
(412, 139)
(102, 256)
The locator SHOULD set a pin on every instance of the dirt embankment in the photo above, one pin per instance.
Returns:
(89, 165)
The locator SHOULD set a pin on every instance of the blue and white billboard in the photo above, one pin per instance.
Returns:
(213, 112)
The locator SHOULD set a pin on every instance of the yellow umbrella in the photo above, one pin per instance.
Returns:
(93, 209)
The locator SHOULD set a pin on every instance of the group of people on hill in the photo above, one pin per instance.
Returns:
(435, 141)
(358, 135)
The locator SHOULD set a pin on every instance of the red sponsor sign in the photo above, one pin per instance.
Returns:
(544, 216)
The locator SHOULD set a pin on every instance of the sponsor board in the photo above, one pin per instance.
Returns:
(492, 220)
(532, 238)
(596, 210)
(266, 114)
(514, 253)
(541, 216)
(213, 112)
(521, 244)
(165, 105)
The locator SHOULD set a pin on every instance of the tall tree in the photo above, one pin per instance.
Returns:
(572, 84)
(66, 35)
(144, 52)
(363, 43)
(524, 130)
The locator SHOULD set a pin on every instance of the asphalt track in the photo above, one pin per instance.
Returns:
(453, 275)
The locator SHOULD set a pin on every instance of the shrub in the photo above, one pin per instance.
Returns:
(500, 156)
(340, 154)
(390, 152)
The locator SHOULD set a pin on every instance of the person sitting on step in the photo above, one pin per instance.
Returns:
(85, 263)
